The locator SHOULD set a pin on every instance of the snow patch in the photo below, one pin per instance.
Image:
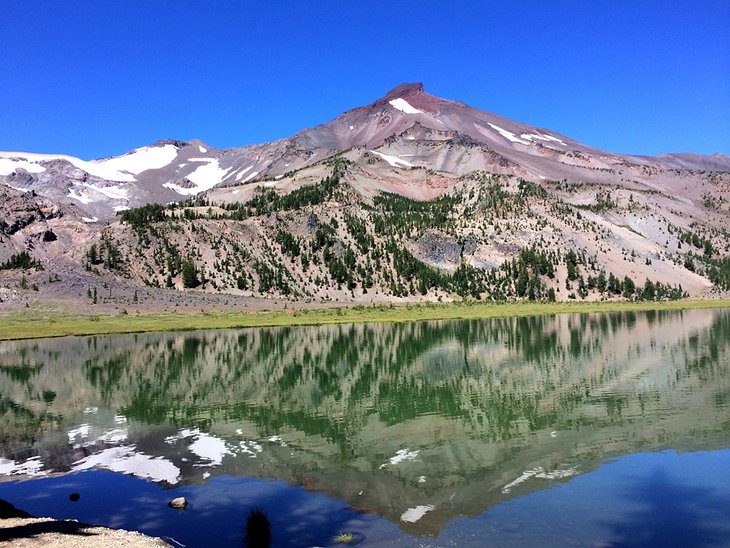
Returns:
(400, 456)
(31, 467)
(90, 219)
(97, 168)
(404, 106)
(202, 149)
(507, 134)
(80, 196)
(251, 176)
(204, 177)
(393, 160)
(210, 448)
(82, 431)
(121, 208)
(243, 172)
(539, 472)
(112, 192)
(554, 139)
(250, 448)
(539, 137)
(142, 159)
(115, 436)
(412, 515)
(127, 460)
(206, 446)
(8, 165)
(20, 188)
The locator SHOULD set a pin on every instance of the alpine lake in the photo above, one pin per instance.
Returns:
(606, 429)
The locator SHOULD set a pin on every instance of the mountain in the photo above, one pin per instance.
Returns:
(410, 197)
(407, 126)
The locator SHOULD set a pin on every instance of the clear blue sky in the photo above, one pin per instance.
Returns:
(98, 78)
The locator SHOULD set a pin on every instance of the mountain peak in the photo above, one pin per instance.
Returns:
(404, 90)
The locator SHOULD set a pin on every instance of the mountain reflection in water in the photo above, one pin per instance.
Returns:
(417, 422)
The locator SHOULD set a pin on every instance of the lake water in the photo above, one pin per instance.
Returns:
(570, 430)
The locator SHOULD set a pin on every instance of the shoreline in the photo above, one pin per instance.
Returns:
(20, 324)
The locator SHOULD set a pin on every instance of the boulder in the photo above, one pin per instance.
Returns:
(179, 503)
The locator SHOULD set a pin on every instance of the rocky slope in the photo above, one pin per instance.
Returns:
(410, 197)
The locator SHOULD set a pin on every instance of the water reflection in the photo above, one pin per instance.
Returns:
(425, 420)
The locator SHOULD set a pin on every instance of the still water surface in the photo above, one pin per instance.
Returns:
(592, 429)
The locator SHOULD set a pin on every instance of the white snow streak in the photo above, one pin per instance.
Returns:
(539, 472)
(507, 134)
(80, 196)
(400, 456)
(98, 168)
(31, 467)
(8, 165)
(142, 159)
(20, 188)
(404, 106)
(412, 515)
(210, 448)
(127, 460)
(543, 137)
(204, 177)
(113, 192)
(202, 149)
(393, 160)
(243, 172)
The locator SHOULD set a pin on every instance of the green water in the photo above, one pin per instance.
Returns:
(419, 423)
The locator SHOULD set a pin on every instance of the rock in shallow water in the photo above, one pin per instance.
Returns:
(179, 503)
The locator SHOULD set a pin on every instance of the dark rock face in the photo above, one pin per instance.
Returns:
(313, 223)
(18, 210)
(465, 141)
(183, 182)
(438, 250)
(20, 178)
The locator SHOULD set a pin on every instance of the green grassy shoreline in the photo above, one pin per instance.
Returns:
(31, 325)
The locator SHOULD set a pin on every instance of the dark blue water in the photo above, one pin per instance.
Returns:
(650, 499)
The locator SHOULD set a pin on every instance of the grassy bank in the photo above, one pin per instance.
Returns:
(30, 324)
